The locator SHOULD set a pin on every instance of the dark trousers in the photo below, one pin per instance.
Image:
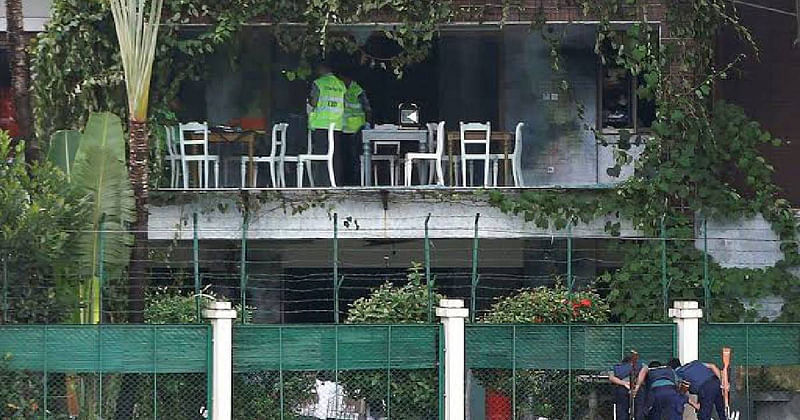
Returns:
(319, 146)
(622, 401)
(664, 400)
(710, 395)
(346, 161)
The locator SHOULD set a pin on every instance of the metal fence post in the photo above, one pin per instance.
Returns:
(570, 285)
(664, 281)
(196, 263)
(280, 367)
(5, 290)
(243, 266)
(474, 287)
(389, 373)
(44, 374)
(155, 373)
(428, 270)
(336, 268)
(706, 278)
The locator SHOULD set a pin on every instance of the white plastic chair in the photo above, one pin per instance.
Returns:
(515, 157)
(173, 157)
(392, 158)
(435, 157)
(471, 157)
(203, 159)
(306, 159)
(278, 140)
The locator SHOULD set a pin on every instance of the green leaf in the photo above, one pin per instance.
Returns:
(63, 146)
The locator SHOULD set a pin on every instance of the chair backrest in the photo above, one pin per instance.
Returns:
(278, 140)
(170, 135)
(486, 134)
(441, 138)
(193, 128)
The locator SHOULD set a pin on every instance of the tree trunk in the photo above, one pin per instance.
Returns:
(137, 270)
(138, 166)
(20, 78)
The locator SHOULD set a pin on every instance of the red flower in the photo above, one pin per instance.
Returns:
(586, 302)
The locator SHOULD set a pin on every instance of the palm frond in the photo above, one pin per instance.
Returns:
(137, 32)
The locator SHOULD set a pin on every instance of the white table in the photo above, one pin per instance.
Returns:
(382, 134)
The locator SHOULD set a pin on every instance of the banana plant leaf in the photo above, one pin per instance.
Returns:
(63, 146)
(101, 173)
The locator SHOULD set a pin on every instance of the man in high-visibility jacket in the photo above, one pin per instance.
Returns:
(357, 113)
(326, 106)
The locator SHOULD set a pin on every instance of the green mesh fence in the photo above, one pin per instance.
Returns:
(765, 366)
(336, 372)
(104, 371)
(553, 371)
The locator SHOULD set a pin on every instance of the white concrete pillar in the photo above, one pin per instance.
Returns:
(687, 314)
(221, 316)
(452, 314)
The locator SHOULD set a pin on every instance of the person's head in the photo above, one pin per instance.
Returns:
(654, 364)
(674, 363)
(323, 68)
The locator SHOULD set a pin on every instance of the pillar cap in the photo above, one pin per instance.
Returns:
(219, 310)
(685, 309)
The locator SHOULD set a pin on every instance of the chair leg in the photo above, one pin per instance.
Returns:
(272, 173)
(494, 172)
(331, 174)
(439, 172)
(310, 171)
(205, 174)
(185, 168)
(243, 171)
(300, 165)
(486, 170)
(407, 173)
(282, 169)
(391, 172)
(463, 173)
(216, 174)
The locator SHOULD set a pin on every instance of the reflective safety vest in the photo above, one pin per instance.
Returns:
(623, 370)
(661, 376)
(354, 115)
(696, 373)
(330, 103)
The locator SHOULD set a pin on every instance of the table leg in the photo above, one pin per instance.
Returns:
(367, 161)
(505, 162)
(250, 153)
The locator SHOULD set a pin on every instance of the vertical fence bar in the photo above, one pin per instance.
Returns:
(155, 373)
(336, 269)
(44, 371)
(336, 368)
(196, 262)
(428, 270)
(101, 255)
(389, 373)
(280, 367)
(473, 289)
(747, 369)
(101, 275)
(706, 278)
(243, 266)
(570, 285)
(664, 283)
(513, 371)
(5, 290)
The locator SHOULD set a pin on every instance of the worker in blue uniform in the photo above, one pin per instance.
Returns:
(704, 381)
(620, 378)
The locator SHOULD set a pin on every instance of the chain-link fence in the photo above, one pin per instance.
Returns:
(109, 371)
(553, 371)
(764, 367)
(337, 372)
